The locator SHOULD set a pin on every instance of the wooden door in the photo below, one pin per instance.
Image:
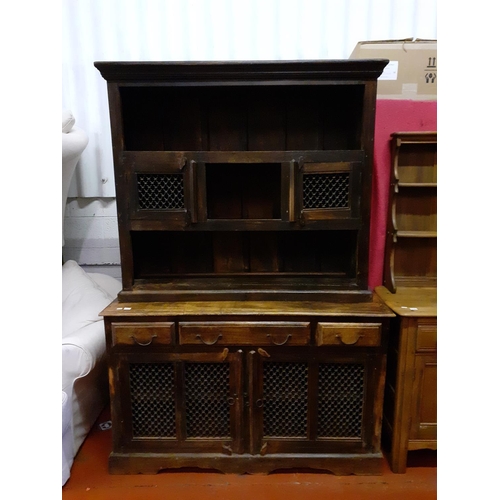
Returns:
(312, 402)
(328, 191)
(424, 399)
(172, 402)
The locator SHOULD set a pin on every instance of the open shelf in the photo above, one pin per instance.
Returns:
(237, 191)
(242, 118)
(243, 169)
(243, 252)
(411, 244)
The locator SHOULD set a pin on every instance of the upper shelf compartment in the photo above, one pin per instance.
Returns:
(415, 159)
(242, 118)
(243, 106)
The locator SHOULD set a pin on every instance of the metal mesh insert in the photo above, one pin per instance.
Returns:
(160, 191)
(207, 393)
(340, 400)
(152, 399)
(326, 190)
(285, 399)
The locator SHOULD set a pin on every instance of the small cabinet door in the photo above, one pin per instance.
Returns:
(424, 399)
(161, 189)
(189, 402)
(327, 191)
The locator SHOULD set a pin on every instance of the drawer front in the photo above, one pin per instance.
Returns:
(427, 334)
(243, 333)
(142, 334)
(349, 334)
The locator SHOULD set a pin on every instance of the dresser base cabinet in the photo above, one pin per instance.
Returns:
(247, 386)
(410, 405)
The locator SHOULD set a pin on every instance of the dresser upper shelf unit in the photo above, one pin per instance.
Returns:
(238, 179)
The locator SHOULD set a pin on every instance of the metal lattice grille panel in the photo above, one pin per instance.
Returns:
(285, 399)
(340, 400)
(326, 190)
(152, 399)
(207, 393)
(160, 191)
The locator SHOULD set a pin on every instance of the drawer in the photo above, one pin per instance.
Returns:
(142, 334)
(244, 333)
(426, 334)
(349, 334)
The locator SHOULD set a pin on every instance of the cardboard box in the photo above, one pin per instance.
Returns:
(411, 72)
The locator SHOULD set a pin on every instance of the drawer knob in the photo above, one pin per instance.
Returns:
(270, 337)
(349, 338)
(143, 344)
(199, 337)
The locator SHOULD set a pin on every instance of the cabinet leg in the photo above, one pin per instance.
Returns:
(398, 458)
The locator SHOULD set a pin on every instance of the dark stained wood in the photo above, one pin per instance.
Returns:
(239, 133)
(230, 332)
(245, 338)
(256, 72)
(244, 333)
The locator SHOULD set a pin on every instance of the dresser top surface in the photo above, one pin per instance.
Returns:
(374, 308)
(410, 301)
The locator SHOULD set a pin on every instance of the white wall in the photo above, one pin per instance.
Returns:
(91, 235)
(120, 30)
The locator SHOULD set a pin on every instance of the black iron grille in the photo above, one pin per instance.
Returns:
(326, 190)
(207, 393)
(152, 399)
(160, 191)
(285, 399)
(340, 400)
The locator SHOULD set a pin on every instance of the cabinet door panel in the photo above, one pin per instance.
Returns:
(310, 405)
(424, 399)
(329, 191)
(182, 402)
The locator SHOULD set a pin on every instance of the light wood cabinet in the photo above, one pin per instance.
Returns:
(411, 244)
(410, 290)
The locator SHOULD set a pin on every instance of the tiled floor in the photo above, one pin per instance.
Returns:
(90, 480)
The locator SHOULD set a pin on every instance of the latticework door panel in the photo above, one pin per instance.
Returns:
(152, 399)
(285, 399)
(340, 400)
(326, 190)
(207, 396)
(160, 191)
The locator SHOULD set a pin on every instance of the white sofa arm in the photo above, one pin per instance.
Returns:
(81, 351)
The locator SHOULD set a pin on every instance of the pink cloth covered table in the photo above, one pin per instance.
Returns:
(391, 116)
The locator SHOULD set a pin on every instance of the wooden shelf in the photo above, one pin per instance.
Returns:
(416, 234)
(417, 184)
(411, 243)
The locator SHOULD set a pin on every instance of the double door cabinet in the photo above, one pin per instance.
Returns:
(250, 388)
(245, 337)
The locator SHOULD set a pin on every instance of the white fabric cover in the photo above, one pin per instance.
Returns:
(67, 439)
(68, 120)
(84, 370)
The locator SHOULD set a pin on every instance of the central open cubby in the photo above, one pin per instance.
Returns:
(243, 191)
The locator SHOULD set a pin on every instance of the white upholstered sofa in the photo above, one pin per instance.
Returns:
(85, 390)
